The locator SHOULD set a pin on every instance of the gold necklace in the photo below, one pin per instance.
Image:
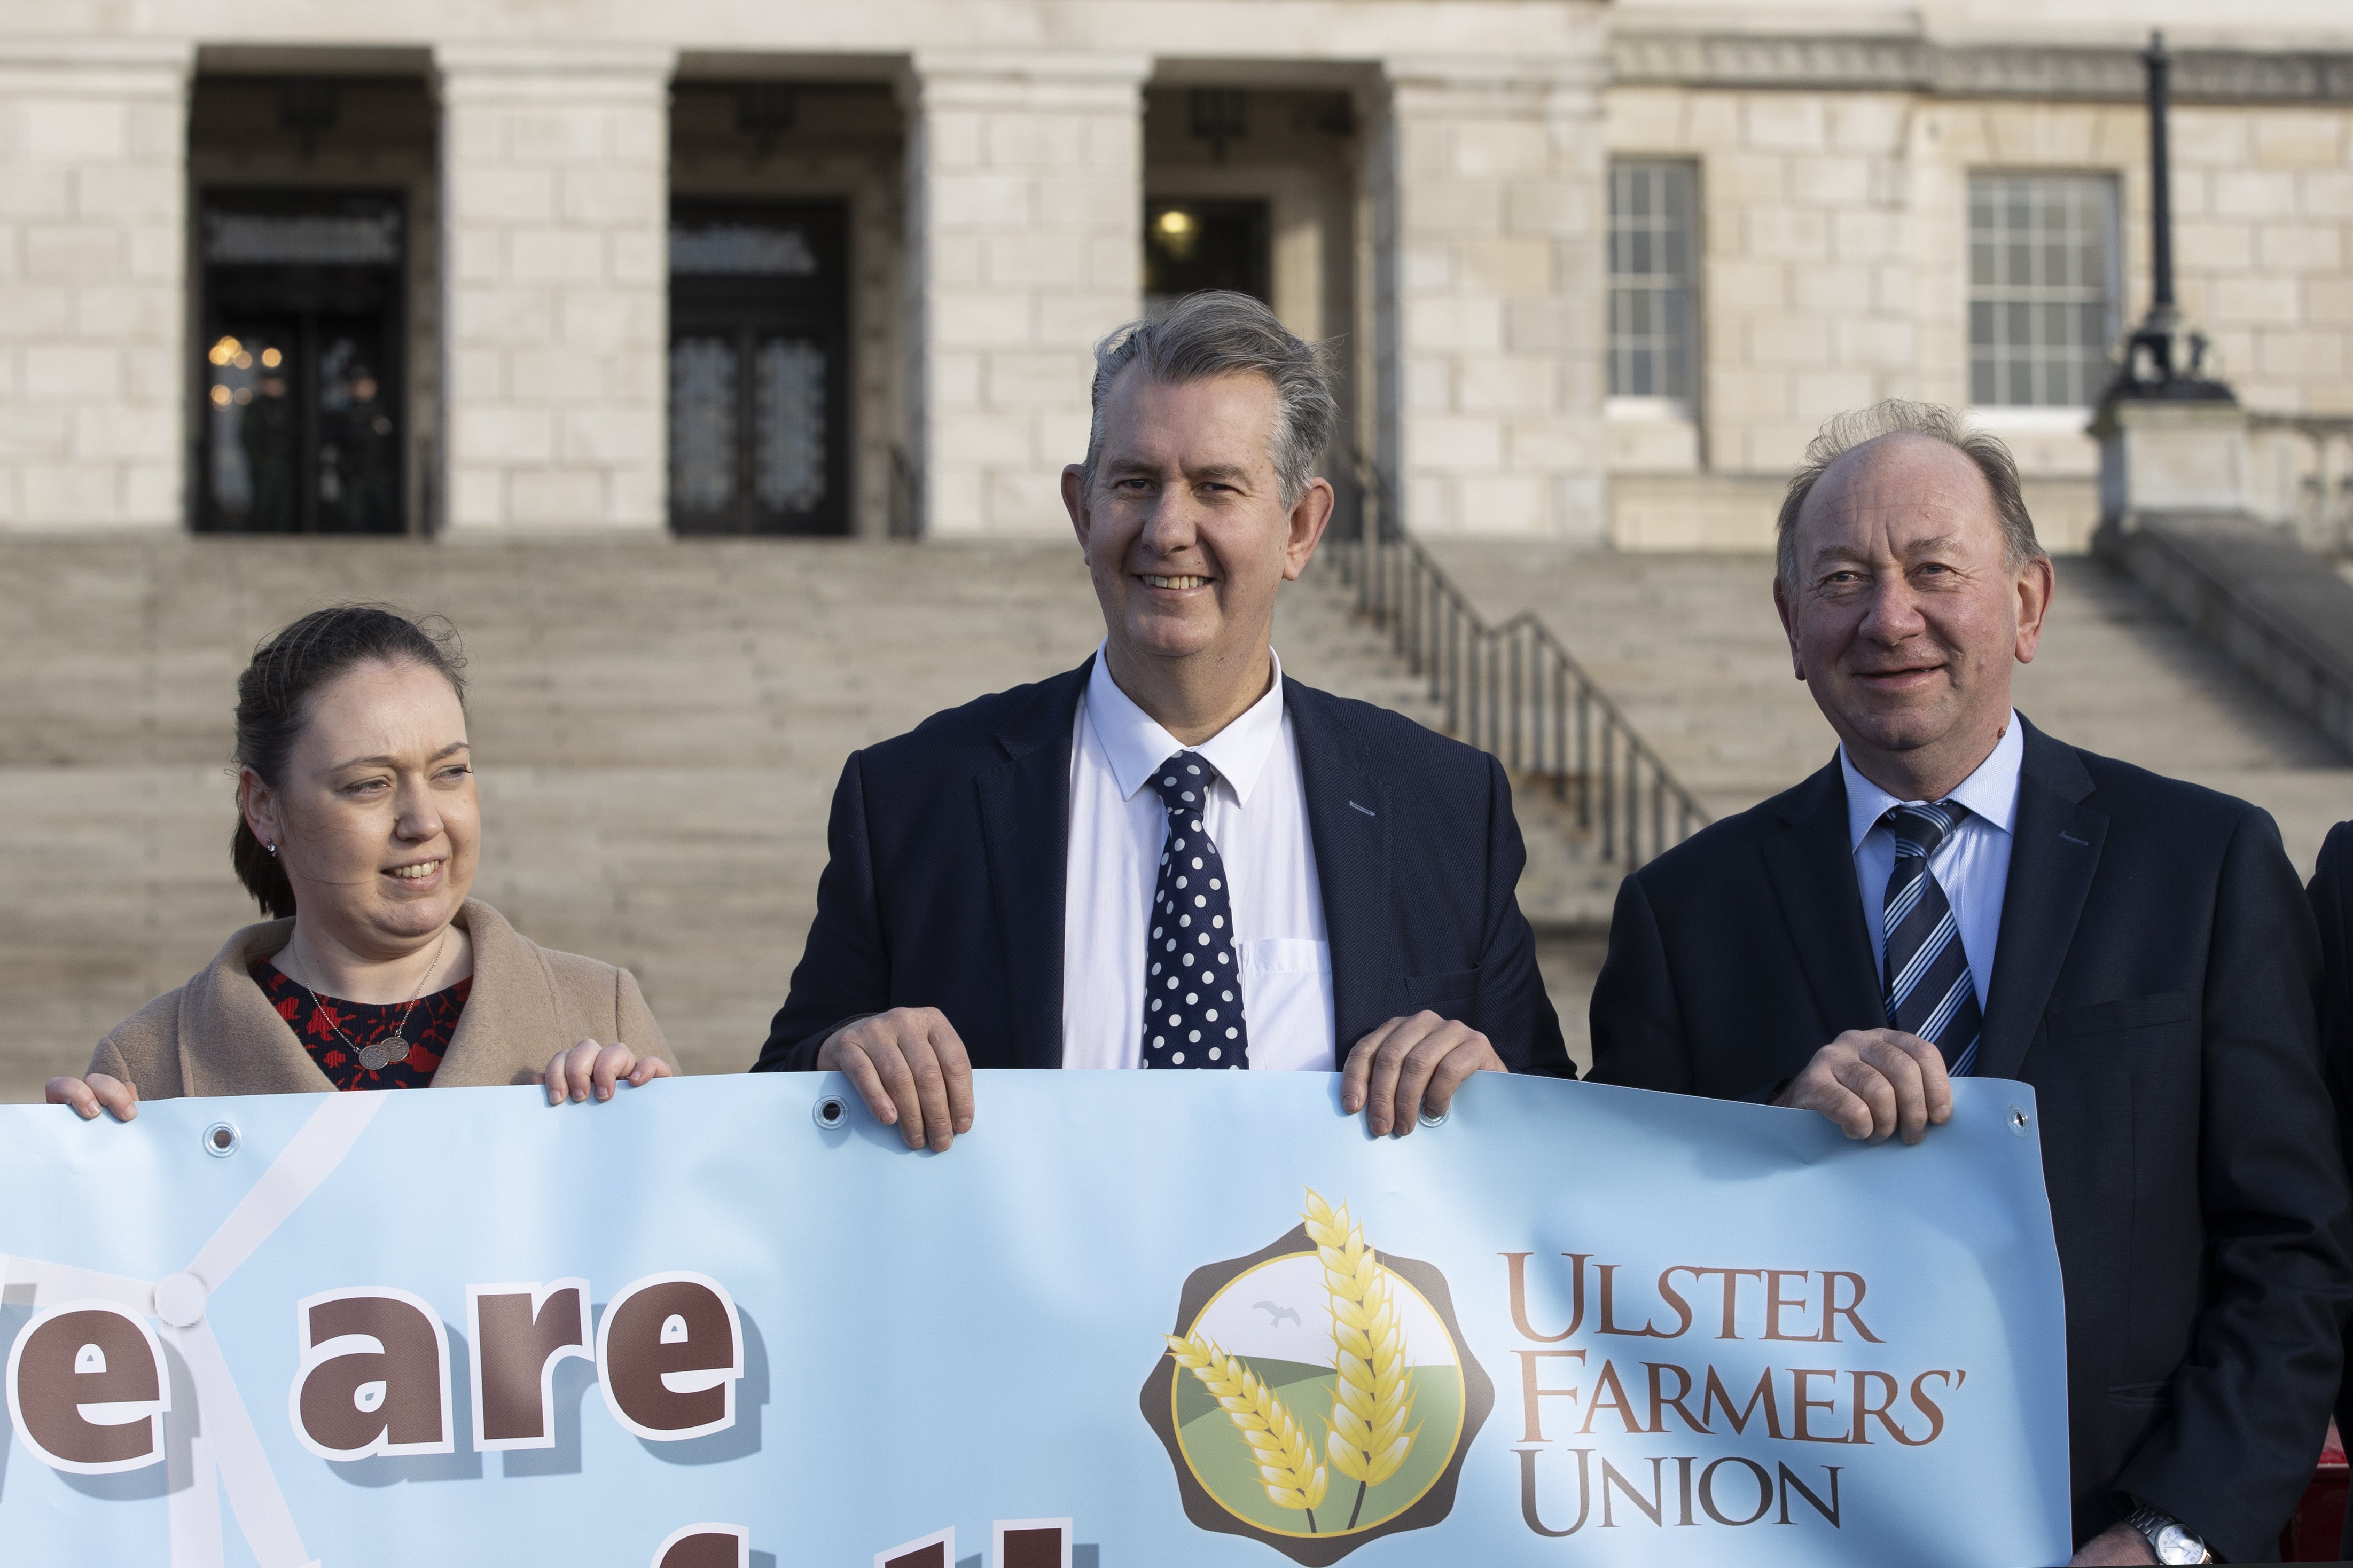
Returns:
(376, 1055)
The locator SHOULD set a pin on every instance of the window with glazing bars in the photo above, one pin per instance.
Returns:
(2042, 307)
(1652, 326)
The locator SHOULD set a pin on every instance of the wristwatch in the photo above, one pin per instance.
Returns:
(2167, 1536)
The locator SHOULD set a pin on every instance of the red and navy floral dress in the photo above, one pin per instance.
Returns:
(361, 1045)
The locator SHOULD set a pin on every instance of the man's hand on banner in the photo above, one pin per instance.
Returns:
(1874, 1082)
(589, 1068)
(910, 1067)
(1410, 1064)
(89, 1095)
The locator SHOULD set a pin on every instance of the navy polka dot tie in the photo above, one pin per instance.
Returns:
(1192, 986)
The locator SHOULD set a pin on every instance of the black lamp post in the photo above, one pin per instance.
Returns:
(2162, 359)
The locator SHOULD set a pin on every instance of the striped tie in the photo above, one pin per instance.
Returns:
(1928, 990)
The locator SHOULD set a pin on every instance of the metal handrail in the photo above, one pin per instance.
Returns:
(1515, 691)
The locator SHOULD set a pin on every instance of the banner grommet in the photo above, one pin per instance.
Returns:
(221, 1139)
(829, 1112)
(2020, 1123)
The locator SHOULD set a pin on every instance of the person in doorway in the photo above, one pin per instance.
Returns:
(358, 829)
(1957, 893)
(1175, 856)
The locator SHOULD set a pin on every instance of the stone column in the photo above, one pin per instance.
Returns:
(94, 356)
(1026, 205)
(1489, 185)
(555, 191)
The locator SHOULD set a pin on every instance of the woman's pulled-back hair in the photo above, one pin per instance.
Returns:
(273, 703)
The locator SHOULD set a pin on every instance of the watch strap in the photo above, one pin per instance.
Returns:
(2154, 1524)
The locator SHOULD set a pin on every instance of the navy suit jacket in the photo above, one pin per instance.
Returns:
(945, 883)
(2332, 906)
(2153, 981)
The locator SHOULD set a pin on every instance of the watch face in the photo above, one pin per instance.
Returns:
(2175, 1544)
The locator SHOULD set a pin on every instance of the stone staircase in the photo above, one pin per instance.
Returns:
(659, 725)
(1691, 647)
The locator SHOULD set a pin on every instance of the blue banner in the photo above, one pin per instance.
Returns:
(1129, 1321)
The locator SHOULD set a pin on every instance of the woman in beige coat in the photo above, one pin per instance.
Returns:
(360, 830)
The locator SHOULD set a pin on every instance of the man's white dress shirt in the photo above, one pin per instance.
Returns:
(1256, 815)
(1972, 864)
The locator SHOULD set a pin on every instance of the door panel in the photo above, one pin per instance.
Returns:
(789, 425)
(758, 369)
(702, 436)
(302, 364)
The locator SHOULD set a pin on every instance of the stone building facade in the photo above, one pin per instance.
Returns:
(1595, 271)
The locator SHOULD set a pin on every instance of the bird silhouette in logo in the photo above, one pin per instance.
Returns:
(1275, 1314)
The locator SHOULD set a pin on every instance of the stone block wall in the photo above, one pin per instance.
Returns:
(1025, 187)
(1834, 228)
(1805, 242)
(93, 248)
(2264, 208)
(554, 169)
(1487, 190)
(1832, 180)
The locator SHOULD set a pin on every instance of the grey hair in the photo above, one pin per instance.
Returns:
(1221, 332)
(1843, 433)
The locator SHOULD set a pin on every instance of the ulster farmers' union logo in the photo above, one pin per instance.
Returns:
(1317, 1394)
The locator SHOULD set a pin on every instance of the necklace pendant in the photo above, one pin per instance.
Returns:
(375, 1058)
(396, 1050)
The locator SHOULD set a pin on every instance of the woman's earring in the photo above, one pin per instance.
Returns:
(271, 847)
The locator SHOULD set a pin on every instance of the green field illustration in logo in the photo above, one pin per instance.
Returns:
(1317, 1397)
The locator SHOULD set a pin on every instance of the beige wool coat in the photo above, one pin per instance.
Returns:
(220, 1035)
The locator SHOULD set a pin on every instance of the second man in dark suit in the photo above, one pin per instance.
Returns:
(2332, 907)
(1174, 856)
(1958, 892)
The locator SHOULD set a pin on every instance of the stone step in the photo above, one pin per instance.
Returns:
(1691, 647)
(659, 725)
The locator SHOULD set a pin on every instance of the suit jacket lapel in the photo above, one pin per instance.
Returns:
(1348, 821)
(1025, 825)
(1812, 870)
(2054, 850)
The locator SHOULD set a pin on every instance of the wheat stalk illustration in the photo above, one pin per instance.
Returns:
(1286, 1463)
(1373, 1399)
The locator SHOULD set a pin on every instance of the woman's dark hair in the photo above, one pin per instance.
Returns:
(273, 703)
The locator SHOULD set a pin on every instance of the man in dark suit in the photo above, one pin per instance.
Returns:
(1958, 892)
(1174, 856)
(2332, 906)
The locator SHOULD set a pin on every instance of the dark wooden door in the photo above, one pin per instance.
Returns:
(759, 415)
